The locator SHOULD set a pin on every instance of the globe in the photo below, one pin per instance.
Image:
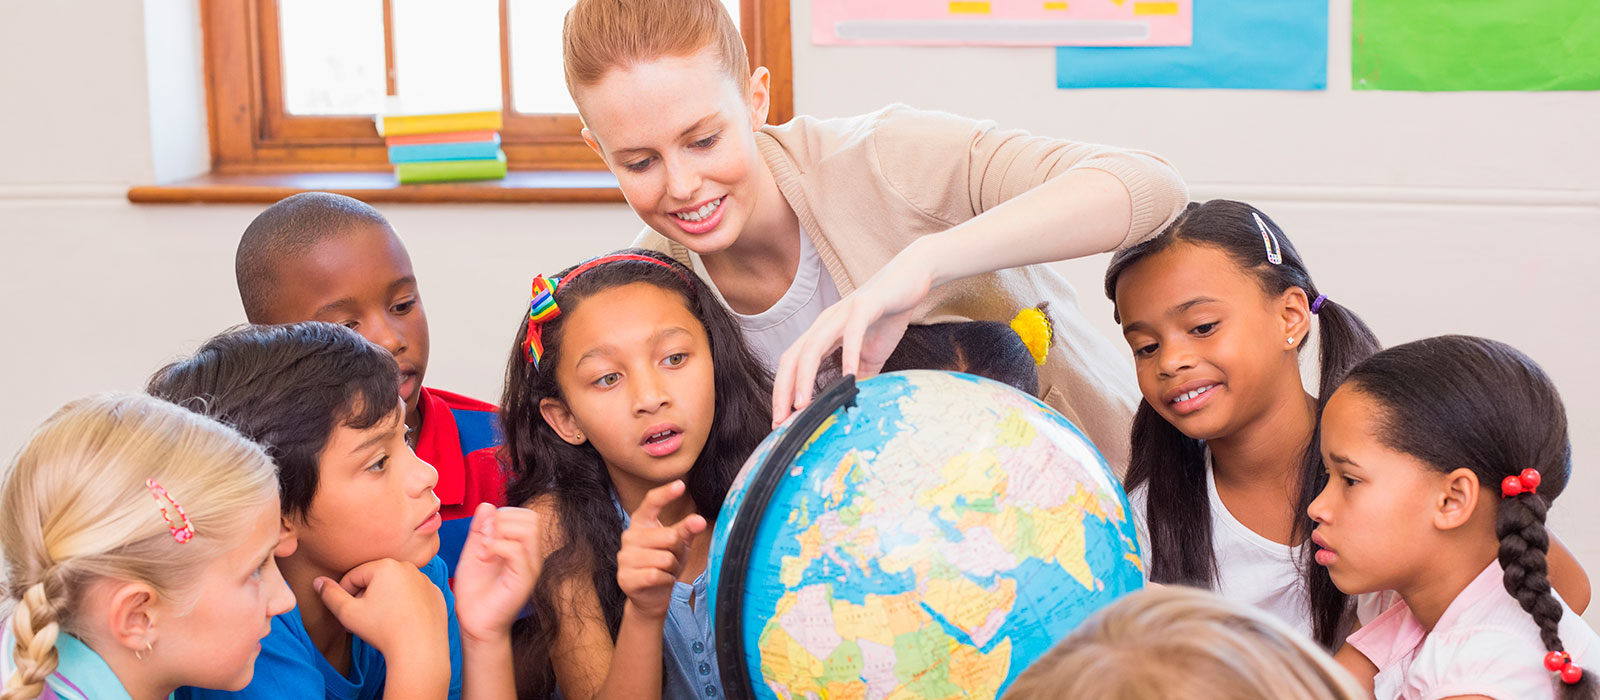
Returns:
(916, 535)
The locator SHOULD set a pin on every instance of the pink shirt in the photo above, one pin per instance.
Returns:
(1484, 644)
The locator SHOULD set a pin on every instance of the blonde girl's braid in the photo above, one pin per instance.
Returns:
(35, 626)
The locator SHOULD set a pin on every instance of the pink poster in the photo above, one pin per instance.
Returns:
(1002, 22)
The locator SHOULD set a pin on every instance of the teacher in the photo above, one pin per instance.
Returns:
(827, 233)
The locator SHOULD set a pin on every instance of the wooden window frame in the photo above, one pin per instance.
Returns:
(252, 134)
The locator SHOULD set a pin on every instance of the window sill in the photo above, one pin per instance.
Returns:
(373, 187)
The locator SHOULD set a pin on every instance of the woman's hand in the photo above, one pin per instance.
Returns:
(867, 324)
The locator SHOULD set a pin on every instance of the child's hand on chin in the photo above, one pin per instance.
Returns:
(394, 607)
(499, 566)
(652, 554)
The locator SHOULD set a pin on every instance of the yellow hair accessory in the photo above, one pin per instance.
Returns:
(1035, 329)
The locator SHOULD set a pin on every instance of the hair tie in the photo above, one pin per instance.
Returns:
(1520, 484)
(1034, 327)
(1560, 662)
(542, 306)
(1274, 252)
(182, 529)
(1316, 304)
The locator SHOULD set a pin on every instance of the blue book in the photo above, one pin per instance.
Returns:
(464, 150)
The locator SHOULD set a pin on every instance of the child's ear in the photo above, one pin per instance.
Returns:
(134, 613)
(561, 420)
(1295, 311)
(288, 537)
(760, 97)
(1457, 499)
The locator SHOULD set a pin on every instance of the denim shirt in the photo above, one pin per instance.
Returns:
(688, 642)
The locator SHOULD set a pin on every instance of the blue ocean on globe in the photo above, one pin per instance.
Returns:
(929, 542)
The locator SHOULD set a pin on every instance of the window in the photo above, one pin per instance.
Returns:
(293, 84)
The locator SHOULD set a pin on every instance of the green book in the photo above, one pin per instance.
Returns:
(452, 170)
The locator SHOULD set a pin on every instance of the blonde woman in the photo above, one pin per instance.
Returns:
(1178, 643)
(138, 541)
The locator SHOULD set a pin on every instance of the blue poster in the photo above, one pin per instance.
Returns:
(1238, 44)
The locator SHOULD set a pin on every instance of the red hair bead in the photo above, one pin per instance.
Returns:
(1554, 660)
(1571, 674)
(1511, 486)
(1530, 479)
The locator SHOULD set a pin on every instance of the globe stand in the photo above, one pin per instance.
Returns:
(729, 613)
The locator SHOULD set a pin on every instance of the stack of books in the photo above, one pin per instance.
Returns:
(444, 147)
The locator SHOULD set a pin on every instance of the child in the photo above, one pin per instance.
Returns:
(1216, 310)
(138, 539)
(877, 210)
(326, 257)
(630, 404)
(1176, 642)
(1442, 457)
(989, 349)
(373, 615)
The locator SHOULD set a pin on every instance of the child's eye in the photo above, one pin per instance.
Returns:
(1144, 350)
(380, 465)
(350, 324)
(1349, 481)
(677, 359)
(707, 142)
(1205, 328)
(404, 307)
(608, 381)
(640, 165)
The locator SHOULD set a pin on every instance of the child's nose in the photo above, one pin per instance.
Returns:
(385, 333)
(650, 394)
(423, 477)
(281, 599)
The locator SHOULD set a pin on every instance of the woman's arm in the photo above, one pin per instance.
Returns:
(1082, 212)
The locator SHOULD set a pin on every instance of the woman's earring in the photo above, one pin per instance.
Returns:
(1291, 341)
(148, 648)
(578, 436)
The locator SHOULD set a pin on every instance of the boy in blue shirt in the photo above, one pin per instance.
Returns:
(374, 616)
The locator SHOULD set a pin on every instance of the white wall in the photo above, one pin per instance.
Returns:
(1428, 213)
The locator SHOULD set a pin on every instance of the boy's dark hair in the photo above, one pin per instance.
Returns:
(1458, 401)
(574, 477)
(288, 229)
(286, 387)
(1171, 465)
(985, 348)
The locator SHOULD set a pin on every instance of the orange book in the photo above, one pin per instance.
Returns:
(445, 137)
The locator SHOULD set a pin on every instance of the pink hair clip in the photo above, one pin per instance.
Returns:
(182, 529)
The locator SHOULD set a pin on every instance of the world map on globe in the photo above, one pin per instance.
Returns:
(929, 542)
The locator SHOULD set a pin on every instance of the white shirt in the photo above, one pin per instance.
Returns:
(771, 332)
(1251, 569)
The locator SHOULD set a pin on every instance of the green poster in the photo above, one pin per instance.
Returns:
(1475, 45)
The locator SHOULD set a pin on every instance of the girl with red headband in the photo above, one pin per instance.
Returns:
(1443, 456)
(630, 404)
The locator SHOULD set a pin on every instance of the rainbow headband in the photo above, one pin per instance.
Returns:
(542, 306)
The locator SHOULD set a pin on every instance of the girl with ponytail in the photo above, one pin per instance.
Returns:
(1217, 309)
(1443, 456)
(138, 540)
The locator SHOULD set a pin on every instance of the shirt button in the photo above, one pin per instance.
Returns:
(711, 691)
(705, 669)
(698, 647)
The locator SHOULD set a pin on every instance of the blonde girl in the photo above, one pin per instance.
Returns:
(1171, 642)
(138, 541)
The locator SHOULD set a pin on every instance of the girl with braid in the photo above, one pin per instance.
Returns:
(1442, 458)
(139, 540)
